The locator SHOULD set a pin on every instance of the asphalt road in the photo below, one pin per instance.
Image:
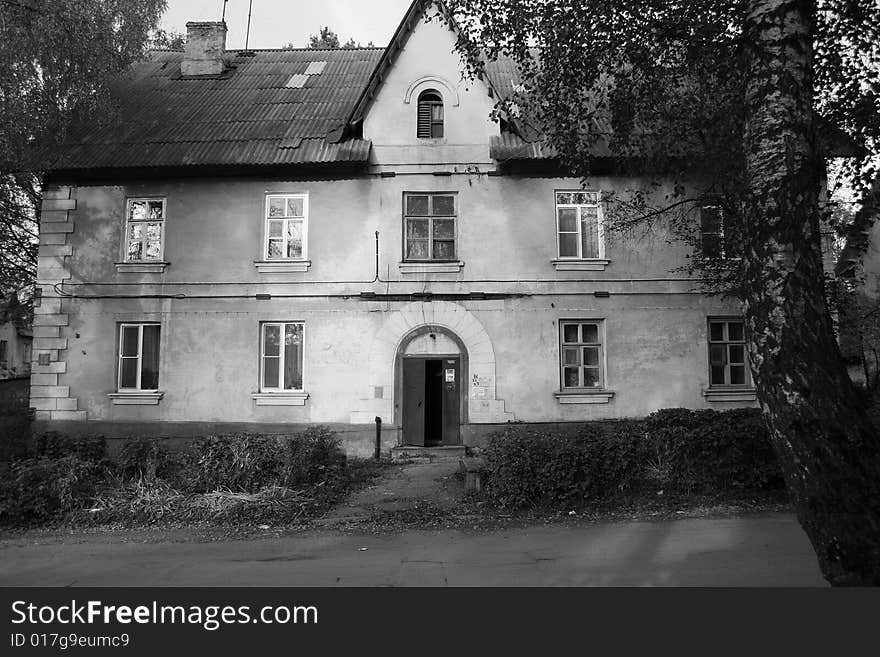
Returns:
(763, 550)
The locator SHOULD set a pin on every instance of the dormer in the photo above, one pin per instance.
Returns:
(417, 109)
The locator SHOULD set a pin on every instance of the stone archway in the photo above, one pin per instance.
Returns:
(482, 404)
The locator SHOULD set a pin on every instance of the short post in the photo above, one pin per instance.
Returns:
(378, 453)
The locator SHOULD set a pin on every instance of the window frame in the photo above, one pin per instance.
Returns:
(602, 360)
(282, 352)
(719, 234)
(727, 342)
(430, 218)
(600, 225)
(140, 356)
(432, 122)
(126, 258)
(304, 256)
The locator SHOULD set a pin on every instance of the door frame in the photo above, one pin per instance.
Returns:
(464, 389)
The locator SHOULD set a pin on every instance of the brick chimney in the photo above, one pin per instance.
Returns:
(205, 45)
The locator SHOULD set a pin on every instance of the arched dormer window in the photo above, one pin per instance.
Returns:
(430, 115)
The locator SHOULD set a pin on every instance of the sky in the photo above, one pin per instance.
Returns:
(275, 23)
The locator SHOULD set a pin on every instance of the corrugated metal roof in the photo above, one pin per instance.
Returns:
(247, 116)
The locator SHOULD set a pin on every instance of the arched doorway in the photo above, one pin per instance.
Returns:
(431, 369)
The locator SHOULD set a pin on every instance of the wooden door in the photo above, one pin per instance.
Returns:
(414, 401)
(451, 401)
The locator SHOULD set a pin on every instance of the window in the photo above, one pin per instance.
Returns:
(430, 115)
(138, 357)
(582, 363)
(281, 357)
(429, 226)
(579, 225)
(286, 226)
(4, 345)
(144, 222)
(712, 231)
(727, 353)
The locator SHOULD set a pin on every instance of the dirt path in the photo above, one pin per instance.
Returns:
(404, 487)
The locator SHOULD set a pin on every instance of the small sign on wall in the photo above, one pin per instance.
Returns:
(450, 376)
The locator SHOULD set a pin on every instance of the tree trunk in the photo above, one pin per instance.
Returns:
(828, 449)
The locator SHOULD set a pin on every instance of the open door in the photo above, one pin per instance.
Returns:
(431, 401)
(414, 401)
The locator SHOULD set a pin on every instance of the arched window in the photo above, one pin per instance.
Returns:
(430, 115)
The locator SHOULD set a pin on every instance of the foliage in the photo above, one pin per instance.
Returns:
(677, 451)
(240, 462)
(313, 456)
(167, 40)
(327, 39)
(38, 489)
(58, 59)
(662, 85)
(228, 479)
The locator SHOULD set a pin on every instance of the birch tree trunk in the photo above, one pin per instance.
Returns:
(829, 451)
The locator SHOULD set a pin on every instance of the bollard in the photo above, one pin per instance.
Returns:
(378, 453)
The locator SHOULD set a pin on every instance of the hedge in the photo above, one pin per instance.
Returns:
(61, 475)
(677, 451)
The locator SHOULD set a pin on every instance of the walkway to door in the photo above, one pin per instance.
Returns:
(420, 483)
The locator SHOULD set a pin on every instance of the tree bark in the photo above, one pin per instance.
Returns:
(828, 449)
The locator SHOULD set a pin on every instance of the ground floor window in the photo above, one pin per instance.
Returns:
(582, 360)
(281, 357)
(727, 353)
(138, 357)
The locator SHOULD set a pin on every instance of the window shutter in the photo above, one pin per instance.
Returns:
(424, 129)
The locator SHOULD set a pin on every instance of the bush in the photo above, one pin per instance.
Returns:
(678, 451)
(53, 445)
(147, 459)
(240, 462)
(41, 489)
(313, 456)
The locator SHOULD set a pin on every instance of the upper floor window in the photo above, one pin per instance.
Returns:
(286, 226)
(138, 357)
(583, 364)
(429, 226)
(144, 227)
(712, 231)
(430, 115)
(727, 353)
(579, 225)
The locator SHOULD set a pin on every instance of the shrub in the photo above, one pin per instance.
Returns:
(148, 459)
(529, 468)
(314, 456)
(712, 451)
(679, 451)
(240, 462)
(54, 445)
(42, 489)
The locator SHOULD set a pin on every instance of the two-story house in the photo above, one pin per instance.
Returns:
(278, 238)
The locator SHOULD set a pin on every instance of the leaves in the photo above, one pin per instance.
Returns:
(58, 60)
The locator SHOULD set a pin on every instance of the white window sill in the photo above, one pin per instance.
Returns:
(282, 266)
(597, 396)
(594, 264)
(136, 398)
(730, 394)
(154, 267)
(288, 398)
(431, 267)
